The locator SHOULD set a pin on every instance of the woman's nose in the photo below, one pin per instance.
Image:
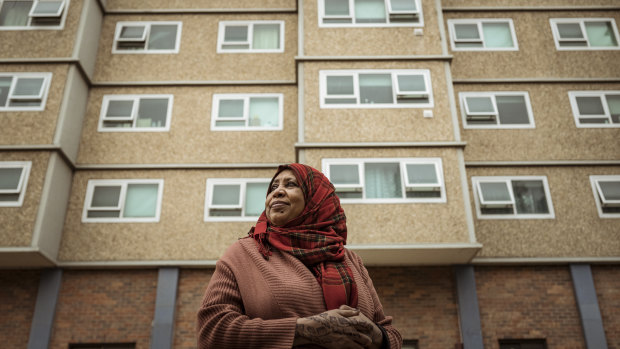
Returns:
(278, 192)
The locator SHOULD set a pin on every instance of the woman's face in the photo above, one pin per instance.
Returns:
(286, 200)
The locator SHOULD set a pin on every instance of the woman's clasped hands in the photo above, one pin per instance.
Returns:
(341, 328)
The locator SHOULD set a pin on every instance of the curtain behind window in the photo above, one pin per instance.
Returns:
(264, 111)
(15, 13)
(163, 37)
(370, 11)
(601, 34)
(266, 37)
(255, 198)
(497, 35)
(141, 200)
(382, 180)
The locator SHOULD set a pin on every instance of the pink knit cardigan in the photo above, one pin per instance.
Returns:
(251, 302)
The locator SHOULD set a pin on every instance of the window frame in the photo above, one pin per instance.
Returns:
(42, 95)
(243, 182)
(105, 103)
(493, 95)
(388, 11)
(21, 186)
(324, 74)
(403, 162)
(478, 22)
(147, 30)
(63, 16)
(250, 24)
(477, 193)
(123, 183)
(246, 108)
(572, 96)
(598, 192)
(581, 21)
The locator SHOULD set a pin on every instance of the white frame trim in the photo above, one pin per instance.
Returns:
(508, 179)
(388, 11)
(246, 110)
(598, 193)
(572, 96)
(323, 74)
(250, 24)
(21, 186)
(123, 183)
(134, 114)
(492, 95)
(478, 22)
(147, 31)
(47, 78)
(57, 14)
(242, 197)
(402, 162)
(30, 26)
(581, 21)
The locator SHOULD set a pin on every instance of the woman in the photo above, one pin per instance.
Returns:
(291, 282)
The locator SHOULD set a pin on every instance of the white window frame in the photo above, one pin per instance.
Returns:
(465, 114)
(598, 195)
(242, 196)
(147, 29)
(134, 114)
(405, 186)
(123, 183)
(572, 95)
(246, 110)
(21, 186)
(425, 73)
(42, 95)
(62, 14)
(479, 22)
(250, 24)
(581, 21)
(508, 180)
(388, 10)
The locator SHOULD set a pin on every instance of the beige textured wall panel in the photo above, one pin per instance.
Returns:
(34, 127)
(43, 43)
(321, 41)
(377, 125)
(576, 231)
(525, 3)
(537, 56)
(197, 58)
(17, 223)
(190, 139)
(198, 4)
(555, 136)
(181, 233)
(404, 223)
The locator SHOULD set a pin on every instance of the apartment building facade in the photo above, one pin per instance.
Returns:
(474, 146)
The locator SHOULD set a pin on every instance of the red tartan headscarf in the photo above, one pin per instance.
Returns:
(316, 237)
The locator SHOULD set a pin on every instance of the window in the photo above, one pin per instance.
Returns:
(585, 33)
(32, 14)
(143, 113)
(607, 195)
(247, 36)
(147, 37)
(595, 108)
(482, 35)
(123, 200)
(383, 180)
(370, 13)
(13, 181)
(249, 112)
(522, 344)
(24, 91)
(376, 88)
(512, 197)
(235, 199)
(496, 110)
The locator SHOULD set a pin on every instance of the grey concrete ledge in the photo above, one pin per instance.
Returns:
(199, 11)
(310, 145)
(542, 163)
(535, 80)
(529, 8)
(543, 260)
(374, 58)
(191, 83)
(173, 166)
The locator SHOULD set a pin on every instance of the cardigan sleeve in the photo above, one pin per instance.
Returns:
(394, 337)
(222, 323)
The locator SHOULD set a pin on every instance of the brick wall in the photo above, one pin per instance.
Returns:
(422, 302)
(105, 306)
(528, 302)
(18, 296)
(192, 286)
(607, 283)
